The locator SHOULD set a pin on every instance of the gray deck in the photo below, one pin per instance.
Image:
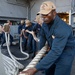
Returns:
(15, 50)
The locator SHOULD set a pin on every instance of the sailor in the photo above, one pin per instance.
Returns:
(59, 36)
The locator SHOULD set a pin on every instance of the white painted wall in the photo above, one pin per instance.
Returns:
(18, 8)
(62, 6)
(13, 8)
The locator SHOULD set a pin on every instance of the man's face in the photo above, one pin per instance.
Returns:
(22, 22)
(48, 17)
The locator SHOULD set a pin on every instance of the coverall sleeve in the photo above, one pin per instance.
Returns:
(57, 48)
(19, 29)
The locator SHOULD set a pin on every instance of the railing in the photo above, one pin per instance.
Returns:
(74, 31)
(73, 6)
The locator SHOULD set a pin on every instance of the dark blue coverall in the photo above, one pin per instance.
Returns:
(3, 39)
(36, 29)
(1, 35)
(29, 42)
(59, 59)
(19, 30)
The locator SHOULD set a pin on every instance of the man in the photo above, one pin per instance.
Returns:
(10, 23)
(6, 28)
(36, 33)
(21, 25)
(59, 36)
(1, 31)
(27, 38)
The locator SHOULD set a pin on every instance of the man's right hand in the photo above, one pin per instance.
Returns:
(31, 71)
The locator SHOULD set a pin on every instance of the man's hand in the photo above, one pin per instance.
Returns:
(31, 32)
(48, 49)
(20, 35)
(31, 71)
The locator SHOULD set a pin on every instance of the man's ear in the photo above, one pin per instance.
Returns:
(54, 13)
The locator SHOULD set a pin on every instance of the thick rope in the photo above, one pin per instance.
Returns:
(12, 56)
(11, 65)
(37, 58)
(27, 55)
